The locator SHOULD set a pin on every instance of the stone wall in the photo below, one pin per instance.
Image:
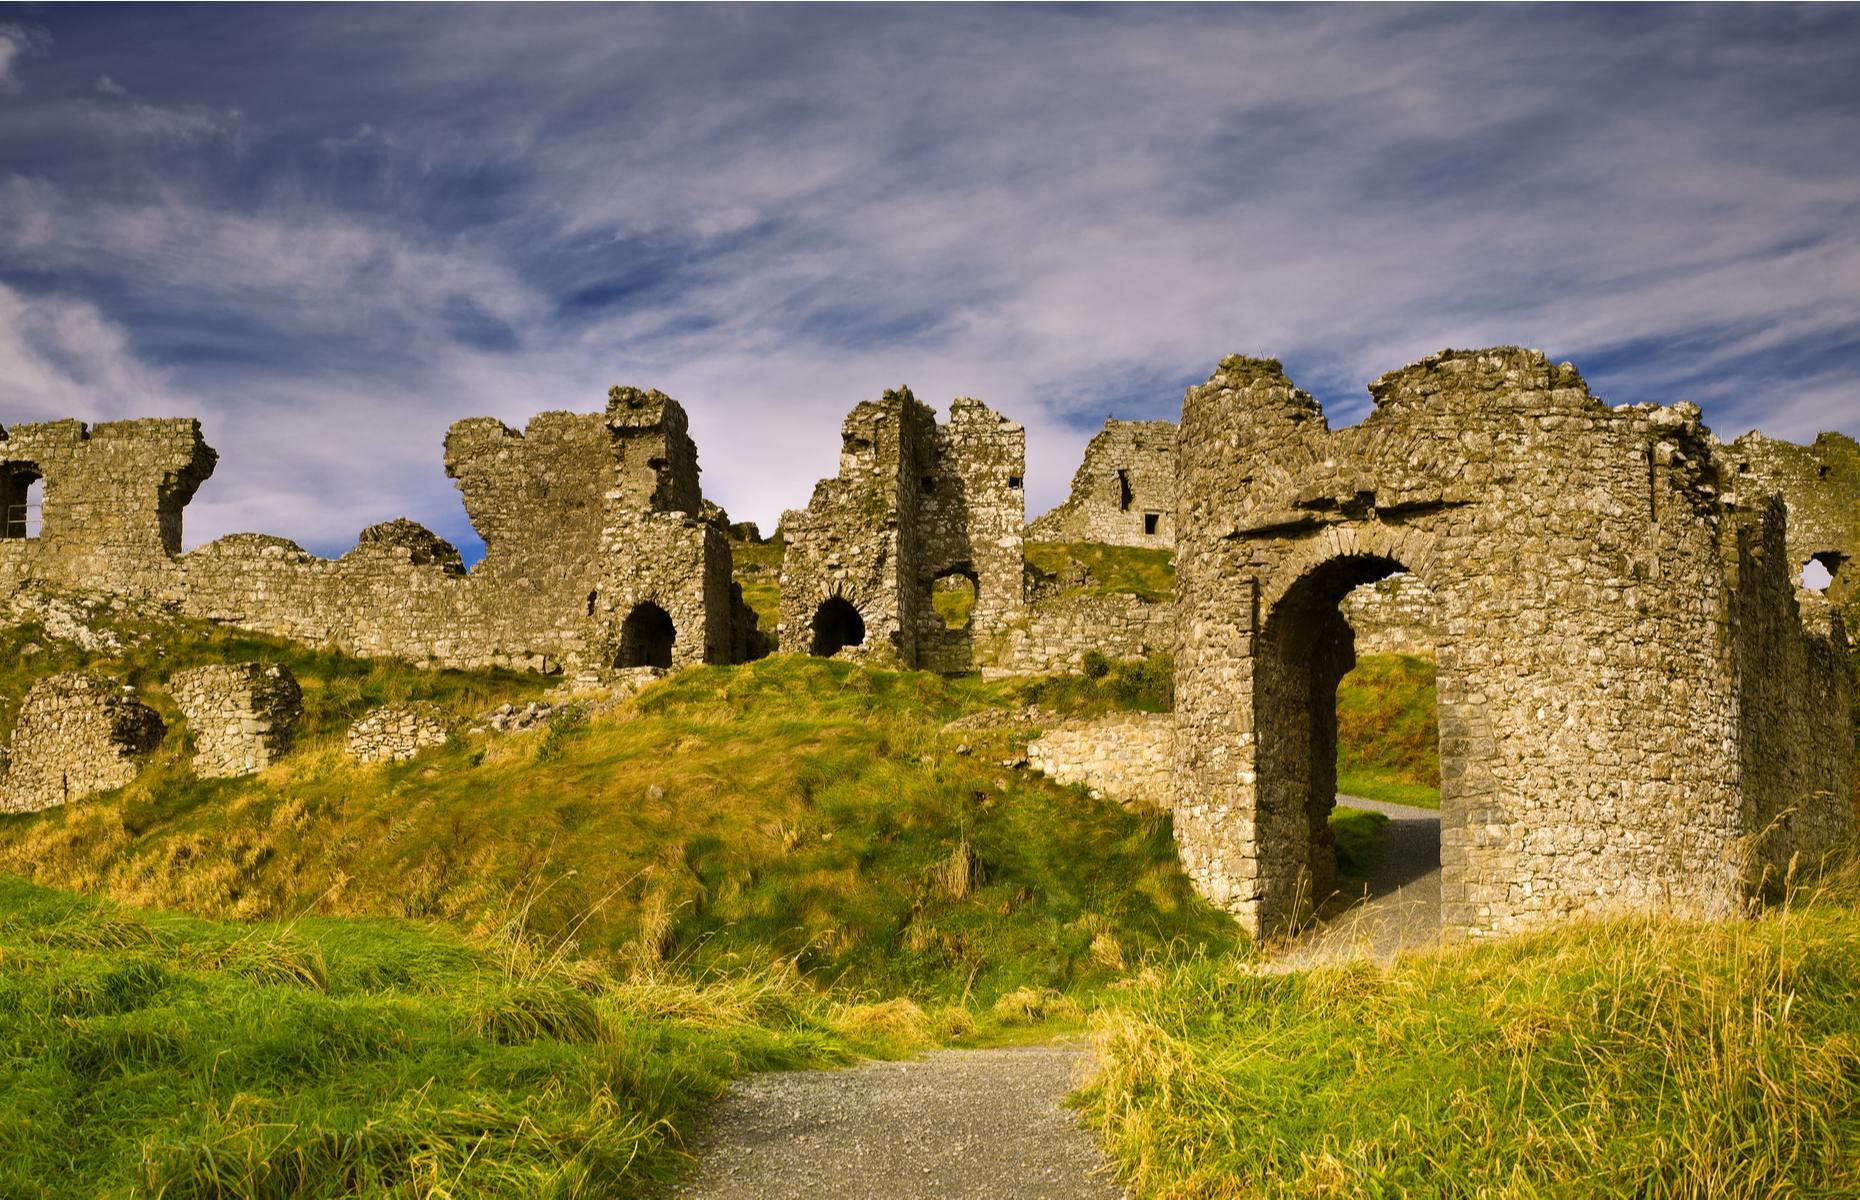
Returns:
(1129, 757)
(77, 734)
(584, 517)
(1123, 493)
(1595, 740)
(242, 716)
(1057, 631)
(1795, 700)
(1392, 616)
(913, 503)
(113, 496)
(1819, 484)
(397, 732)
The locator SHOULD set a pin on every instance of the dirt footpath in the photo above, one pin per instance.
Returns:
(953, 1125)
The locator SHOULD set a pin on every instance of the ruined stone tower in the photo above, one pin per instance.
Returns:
(1632, 712)
(915, 505)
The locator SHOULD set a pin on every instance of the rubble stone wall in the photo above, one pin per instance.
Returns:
(1129, 757)
(1057, 632)
(242, 716)
(1124, 491)
(113, 495)
(574, 506)
(1392, 616)
(1594, 736)
(77, 734)
(1818, 484)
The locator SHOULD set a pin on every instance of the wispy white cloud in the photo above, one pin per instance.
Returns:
(772, 216)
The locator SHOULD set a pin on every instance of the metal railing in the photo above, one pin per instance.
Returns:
(20, 521)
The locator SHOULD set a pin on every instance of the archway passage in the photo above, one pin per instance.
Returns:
(1308, 648)
(837, 625)
(646, 638)
(1817, 574)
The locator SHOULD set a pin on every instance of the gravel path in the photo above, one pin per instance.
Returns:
(952, 1125)
(1401, 906)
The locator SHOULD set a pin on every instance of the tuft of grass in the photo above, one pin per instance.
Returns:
(1358, 837)
(1103, 686)
(1631, 1058)
(1388, 737)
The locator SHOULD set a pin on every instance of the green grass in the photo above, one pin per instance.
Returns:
(1387, 734)
(1358, 834)
(152, 1055)
(1148, 574)
(1104, 686)
(757, 567)
(790, 811)
(1636, 1058)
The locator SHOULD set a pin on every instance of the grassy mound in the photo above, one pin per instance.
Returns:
(789, 811)
(1388, 739)
(164, 1056)
(1630, 1059)
(1138, 571)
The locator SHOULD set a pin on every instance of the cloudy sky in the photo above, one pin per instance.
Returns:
(329, 232)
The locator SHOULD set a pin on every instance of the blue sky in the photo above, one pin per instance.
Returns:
(329, 232)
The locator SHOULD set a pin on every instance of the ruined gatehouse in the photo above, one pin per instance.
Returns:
(1634, 712)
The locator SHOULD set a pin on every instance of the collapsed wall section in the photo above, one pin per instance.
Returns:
(1123, 493)
(242, 716)
(78, 734)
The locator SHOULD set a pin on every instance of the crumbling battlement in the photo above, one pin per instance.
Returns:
(242, 716)
(1123, 493)
(1603, 698)
(77, 734)
(113, 495)
(586, 517)
(914, 503)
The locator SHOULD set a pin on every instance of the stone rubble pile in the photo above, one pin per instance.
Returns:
(398, 732)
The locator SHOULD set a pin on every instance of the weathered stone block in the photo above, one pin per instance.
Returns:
(397, 732)
(77, 734)
(242, 716)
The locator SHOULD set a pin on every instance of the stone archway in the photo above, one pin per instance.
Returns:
(836, 625)
(646, 638)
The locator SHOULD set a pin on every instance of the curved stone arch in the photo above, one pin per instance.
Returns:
(1413, 548)
(646, 637)
(836, 624)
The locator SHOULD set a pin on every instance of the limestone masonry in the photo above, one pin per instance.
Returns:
(397, 732)
(1640, 706)
(242, 716)
(1633, 711)
(1124, 492)
(77, 734)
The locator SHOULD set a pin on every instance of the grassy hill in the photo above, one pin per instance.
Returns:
(789, 811)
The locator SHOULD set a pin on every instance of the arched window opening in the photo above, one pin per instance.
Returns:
(22, 501)
(1349, 745)
(952, 596)
(646, 638)
(1817, 573)
(837, 625)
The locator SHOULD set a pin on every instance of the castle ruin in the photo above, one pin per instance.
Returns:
(1639, 708)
